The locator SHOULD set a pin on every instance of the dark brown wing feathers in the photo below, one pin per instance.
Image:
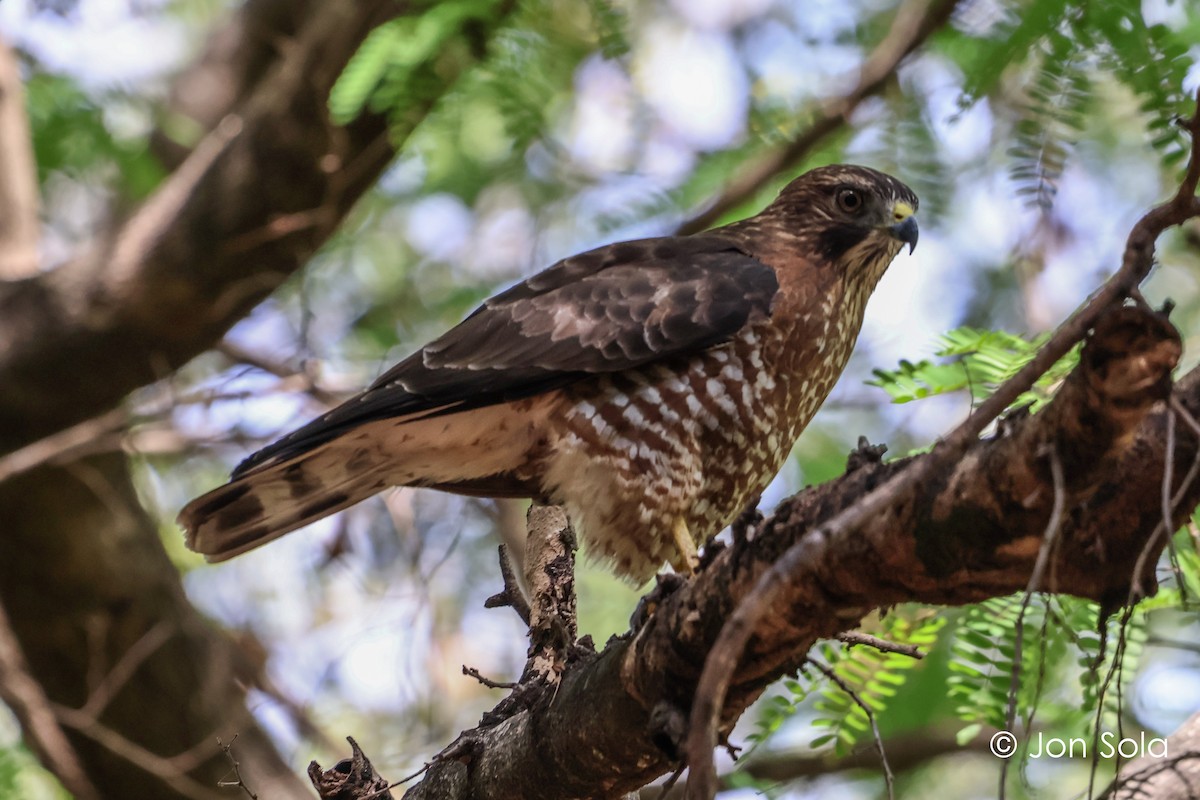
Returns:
(607, 310)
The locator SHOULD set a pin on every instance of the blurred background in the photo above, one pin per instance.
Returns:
(1035, 134)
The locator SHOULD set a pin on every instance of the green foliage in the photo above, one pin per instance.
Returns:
(982, 360)
(779, 708)
(610, 25)
(382, 74)
(21, 776)
(1051, 122)
(1061, 645)
(480, 129)
(1011, 41)
(70, 136)
(1153, 63)
(984, 651)
(874, 677)
(1070, 45)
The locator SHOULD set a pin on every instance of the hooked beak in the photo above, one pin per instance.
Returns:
(905, 227)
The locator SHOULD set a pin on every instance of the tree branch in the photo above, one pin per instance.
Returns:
(29, 703)
(250, 204)
(18, 176)
(915, 22)
(1173, 777)
(905, 752)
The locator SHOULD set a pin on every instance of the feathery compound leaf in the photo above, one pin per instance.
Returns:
(610, 25)
(386, 72)
(982, 361)
(873, 675)
(1053, 118)
(1153, 63)
(1011, 41)
(982, 658)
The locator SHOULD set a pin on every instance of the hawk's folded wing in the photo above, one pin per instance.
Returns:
(610, 309)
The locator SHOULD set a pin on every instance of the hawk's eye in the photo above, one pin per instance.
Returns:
(850, 200)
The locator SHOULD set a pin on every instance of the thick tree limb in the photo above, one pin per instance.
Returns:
(246, 208)
(1175, 777)
(970, 531)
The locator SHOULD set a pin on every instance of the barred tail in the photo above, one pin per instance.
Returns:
(268, 502)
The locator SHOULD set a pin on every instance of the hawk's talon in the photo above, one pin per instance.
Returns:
(687, 560)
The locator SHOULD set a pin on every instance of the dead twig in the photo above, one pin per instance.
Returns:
(236, 768)
(488, 682)
(1049, 539)
(29, 703)
(853, 638)
(888, 777)
(511, 595)
(162, 768)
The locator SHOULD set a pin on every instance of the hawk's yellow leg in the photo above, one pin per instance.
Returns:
(686, 560)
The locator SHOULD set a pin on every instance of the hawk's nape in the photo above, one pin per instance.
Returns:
(652, 387)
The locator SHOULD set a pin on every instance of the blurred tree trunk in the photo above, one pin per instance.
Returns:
(141, 685)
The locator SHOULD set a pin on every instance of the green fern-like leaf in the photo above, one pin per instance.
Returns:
(1108, 671)
(779, 708)
(983, 653)
(385, 74)
(1153, 63)
(365, 70)
(610, 23)
(1052, 120)
(1012, 41)
(980, 360)
(874, 676)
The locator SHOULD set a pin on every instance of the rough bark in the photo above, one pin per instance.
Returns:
(970, 533)
(140, 684)
(1175, 777)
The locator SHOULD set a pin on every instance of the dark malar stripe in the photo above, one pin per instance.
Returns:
(836, 240)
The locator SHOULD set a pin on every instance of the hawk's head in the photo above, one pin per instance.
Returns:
(856, 218)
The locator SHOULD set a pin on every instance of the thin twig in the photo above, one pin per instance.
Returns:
(511, 595)
(888, 777)
(236, 768)
(117, 677)
(237, 353)
(137, 755)
(853, 638)
(1118, 657)
(670, 782)
(55, 445)
(488, 682)
(29, 704)
(727, 650)
(1166, 525)
(1168, 507)
(1049, 537)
